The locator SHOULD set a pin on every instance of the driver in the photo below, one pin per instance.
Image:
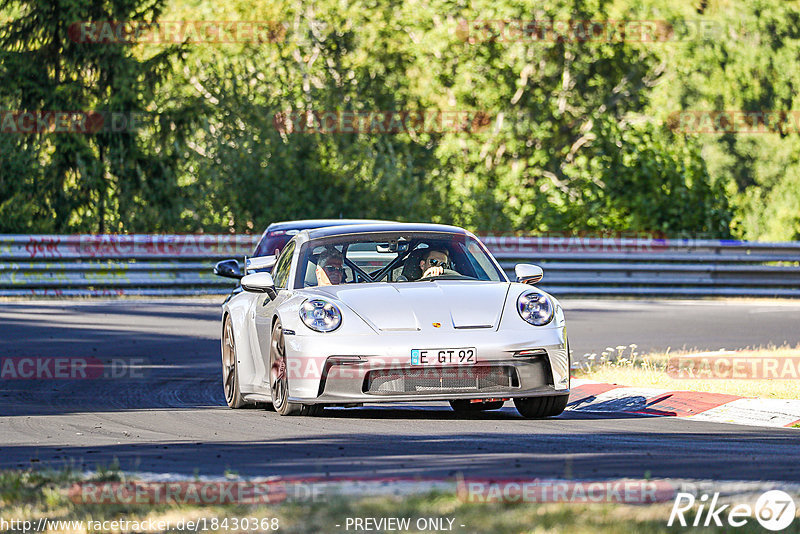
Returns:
(330, 268)
(434, 262)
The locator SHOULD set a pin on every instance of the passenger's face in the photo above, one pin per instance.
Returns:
(435, 259)
(334, 270)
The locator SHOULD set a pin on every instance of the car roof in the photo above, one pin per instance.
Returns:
(307, 224)
(384, 227)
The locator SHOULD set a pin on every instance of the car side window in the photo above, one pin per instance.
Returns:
(280, 273)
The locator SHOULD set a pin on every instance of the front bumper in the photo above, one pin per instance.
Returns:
(338, 369)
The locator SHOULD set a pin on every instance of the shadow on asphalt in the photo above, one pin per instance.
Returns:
(756, 455)
(199, 311)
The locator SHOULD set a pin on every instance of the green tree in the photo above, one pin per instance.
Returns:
(332, 58)
(118, 181)
(578, 139)
(571, 140)
(745, 59)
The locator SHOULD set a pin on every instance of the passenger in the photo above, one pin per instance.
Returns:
(330, 268)
(434, 262)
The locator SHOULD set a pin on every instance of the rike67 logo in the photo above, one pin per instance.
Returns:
(774, 510)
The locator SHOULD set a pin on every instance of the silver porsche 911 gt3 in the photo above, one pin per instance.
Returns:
(388, 312)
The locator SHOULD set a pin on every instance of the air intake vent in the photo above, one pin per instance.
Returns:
(441, 380)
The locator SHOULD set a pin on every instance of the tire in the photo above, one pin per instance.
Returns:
(463, 406)
(279, 381)
(541, 407)
(230, 369)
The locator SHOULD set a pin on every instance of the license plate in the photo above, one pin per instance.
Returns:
(462, 356)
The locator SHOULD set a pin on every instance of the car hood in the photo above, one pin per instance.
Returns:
(423, 305)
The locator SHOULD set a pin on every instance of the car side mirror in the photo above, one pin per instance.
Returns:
(528, 274)
(259, 283)
(228, 269)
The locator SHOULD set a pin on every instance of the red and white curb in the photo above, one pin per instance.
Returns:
(696, 405)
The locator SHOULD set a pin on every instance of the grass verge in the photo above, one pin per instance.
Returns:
(623, 365)
(32, 495)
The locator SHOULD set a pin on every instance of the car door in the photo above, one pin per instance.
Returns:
(264, 310)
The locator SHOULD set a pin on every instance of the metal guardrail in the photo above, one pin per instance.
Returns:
(116, 265)
(112, 265)
(656, 267)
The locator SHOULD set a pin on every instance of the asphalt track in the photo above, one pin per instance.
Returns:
(174, 420)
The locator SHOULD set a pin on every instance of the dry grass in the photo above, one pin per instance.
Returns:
(624, 365)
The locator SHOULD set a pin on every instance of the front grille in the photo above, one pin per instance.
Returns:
(441, 380)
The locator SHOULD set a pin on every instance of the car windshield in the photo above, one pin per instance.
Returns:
(394, 257)
(273, 242)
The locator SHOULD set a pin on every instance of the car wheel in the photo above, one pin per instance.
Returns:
(467, 406)
(230, 374)
(540, 407)
(279, 379)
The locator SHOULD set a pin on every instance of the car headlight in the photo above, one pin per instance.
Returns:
(320, 315)
(535, 308)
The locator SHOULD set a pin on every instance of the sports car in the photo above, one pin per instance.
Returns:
(393, 312)
(272, 241)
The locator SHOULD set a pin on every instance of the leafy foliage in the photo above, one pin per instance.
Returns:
(74, 181)
(578, 137)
